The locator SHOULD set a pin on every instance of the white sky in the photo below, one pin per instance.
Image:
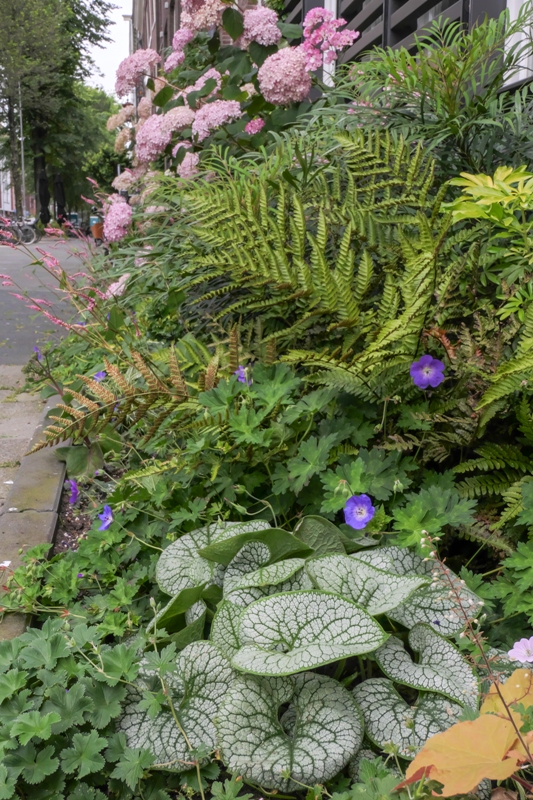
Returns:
(109, 57)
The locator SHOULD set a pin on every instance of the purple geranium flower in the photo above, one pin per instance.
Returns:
(80, 574)
(428, 371)
(74, 493)
(99, 376)
(358, 511)
(522, 650)
(242, 376)
(107, 518)
(39, 354)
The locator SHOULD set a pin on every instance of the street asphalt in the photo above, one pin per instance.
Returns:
(21, 329)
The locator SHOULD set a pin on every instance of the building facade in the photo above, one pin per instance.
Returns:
(154, 23)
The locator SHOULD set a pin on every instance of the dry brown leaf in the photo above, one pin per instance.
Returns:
(518, 688)
(499, 793)
(465, 754)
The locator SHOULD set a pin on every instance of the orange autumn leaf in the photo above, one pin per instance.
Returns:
(466, 753)
(518, 688)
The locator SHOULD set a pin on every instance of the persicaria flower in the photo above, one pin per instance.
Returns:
(152, 138)
(254, 126)
(213, 115)
(116, 290)
(358, 511)
(107, 518)
(322, 37)
(181, 38)
(74, 493)
(174, 60)
(131, 69)
(428, 371)
(522, 650)
(284, 77)
(242, 375)
(117, 218)
(260, 25)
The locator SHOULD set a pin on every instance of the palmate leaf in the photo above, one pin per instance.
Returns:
(312, 458)
(372, 473)
(293, 632)
(431, 604)
(182, 567)
(84, 755)
(441, 668)
(34, 765)
(312, 741)
(71, 706)
(390, 720)
(373, 589)
(33, 724)
(431, 510)
(11, 682)
(196, 690)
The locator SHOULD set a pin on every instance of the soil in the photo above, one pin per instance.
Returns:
(74, 523)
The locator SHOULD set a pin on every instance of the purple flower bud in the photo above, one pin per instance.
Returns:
(107, 518)
(428, 371)
(99, 376)
(358, 511)
(242, 375)
(39, 354)
(74, 493)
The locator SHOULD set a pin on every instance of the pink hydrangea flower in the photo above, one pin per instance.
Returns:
(124, 181)
(197, 15)
(213, 115)
(175, 149)
(261, 26)
(131, 69)
(189, 166)
(181, 38)
(522, 651)
(179, 118)
(117, 289)
(284, 77)
(322, 37)
(174, 60)
(144, 108)
(117, 218)
(254, 126)
(152, 138)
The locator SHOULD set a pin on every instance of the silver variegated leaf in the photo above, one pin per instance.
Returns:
(293, 632)
(197, 689)
(243, 586)
(225, 628)
(436, 604)
(180, 565)
(390, 720)
(441, 667)
(374, 589)
(281, 544)
(312, 741)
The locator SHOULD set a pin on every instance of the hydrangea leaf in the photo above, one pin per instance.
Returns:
(281, 544)
(390, 720)
(197, 689)
(441, 668)
(322, 536)
(373, 589)
(225, 628)
(181, 566)
(293, 632)
(311, 741)
(431, 604)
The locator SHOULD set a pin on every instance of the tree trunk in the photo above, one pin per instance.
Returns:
(16, 175)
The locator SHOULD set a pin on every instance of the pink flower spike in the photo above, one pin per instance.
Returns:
(7, 283)
(86, 200)
(44, 302)
(5, 277)
(522, 651)
(94, 183)
(18, 296)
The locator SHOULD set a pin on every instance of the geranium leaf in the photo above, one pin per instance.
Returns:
(441, 668)
(311, 741)
(517, 689)
(196, 689)
(373, 589)
(390, 720)
(182, 566)
(312, 457)
(281, 544)
(313, 628)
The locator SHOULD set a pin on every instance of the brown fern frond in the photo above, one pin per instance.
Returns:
(157, 386)
(211, 373)
(175, 375)
(116, 376)
(234, 349)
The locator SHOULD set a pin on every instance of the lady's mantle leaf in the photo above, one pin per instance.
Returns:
(34, 724)
(467, 753)
(314, 739)
(373, 589)
(390, 720)
(430, 604)
(84, 755)
(197, 688)
(441, 667)
(34, 765)
(288, 633)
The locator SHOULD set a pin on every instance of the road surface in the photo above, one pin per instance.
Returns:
(20, 328)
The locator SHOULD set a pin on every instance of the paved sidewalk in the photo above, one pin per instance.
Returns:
(20, 414)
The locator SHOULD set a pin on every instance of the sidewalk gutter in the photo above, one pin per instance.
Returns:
(30, 514)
